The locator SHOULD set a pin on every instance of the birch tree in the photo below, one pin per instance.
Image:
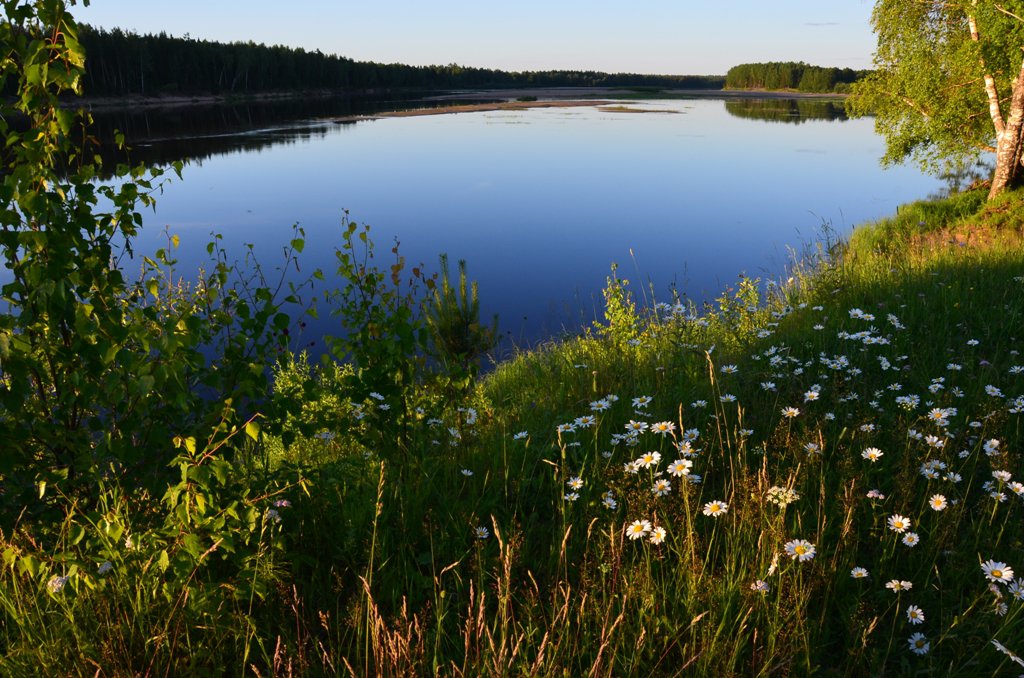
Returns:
(949, 84)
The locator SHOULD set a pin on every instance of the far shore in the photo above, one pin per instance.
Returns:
(545, 97)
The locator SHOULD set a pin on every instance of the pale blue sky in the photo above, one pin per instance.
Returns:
(649, 36)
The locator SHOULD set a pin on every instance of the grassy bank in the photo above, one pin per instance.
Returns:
(822, 477)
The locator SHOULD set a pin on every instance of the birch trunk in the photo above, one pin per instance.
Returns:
(1008, 142)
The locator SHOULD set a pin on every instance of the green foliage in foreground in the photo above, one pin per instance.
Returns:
(821, 475)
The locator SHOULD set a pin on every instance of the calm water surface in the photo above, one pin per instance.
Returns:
(539, 202)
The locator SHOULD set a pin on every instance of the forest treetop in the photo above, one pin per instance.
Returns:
(792, 75)
(122, 63)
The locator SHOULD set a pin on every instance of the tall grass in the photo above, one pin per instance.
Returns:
(502, 543)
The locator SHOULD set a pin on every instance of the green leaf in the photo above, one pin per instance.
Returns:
(164, 561)
(252, 429)
(194, 545)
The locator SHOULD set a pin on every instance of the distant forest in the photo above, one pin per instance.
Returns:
(791, 75)
(121, 63)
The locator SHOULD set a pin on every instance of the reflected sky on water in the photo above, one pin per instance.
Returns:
(539, 202)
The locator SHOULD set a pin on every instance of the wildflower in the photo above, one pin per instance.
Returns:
(638, 529)
(690, 435)
(575, 483)
(727, 398)
(938, 502)
(649, 459)
(993, 391)
(376, 396)
(898, 523)
(716, 508)
(790, 412)
(571, 496)
(631, 467)
(1005, 650)
(896, 585)
(680, 467)
(685, 448)
(768, 385)
(872, 454)
(1016, 589)
(521, 435)
(908, 402)
(481, 532)
(1002, 476)
(273, 516)
(636, 426)
(698, 404)
(586, 421)
(657, 535)
(466, 472)
(1002, 608)
(911, 539)
(991, 447)
(661, 487)
(875, 494)
(997, 572)
(760, 586)
(729, 369)
(918, 643)
(663, 428)
(56, 583)
(812, 448)
(105, 567)
(609, 501)
(642, 401)
(781, 496)
(973, 342)
(915, 615)
(600, 405)
(800, 549)
(811, 395)
(859, 573)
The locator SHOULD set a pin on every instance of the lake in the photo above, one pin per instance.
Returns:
(684, 195)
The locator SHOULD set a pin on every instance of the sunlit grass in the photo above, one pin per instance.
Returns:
(825, 477)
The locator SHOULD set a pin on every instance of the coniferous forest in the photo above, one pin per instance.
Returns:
(124, 63)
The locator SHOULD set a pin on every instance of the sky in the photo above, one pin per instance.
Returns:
(682, 37)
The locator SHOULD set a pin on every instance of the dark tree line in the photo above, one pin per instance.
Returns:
(793, 76)
(121, 63)
(791, 111)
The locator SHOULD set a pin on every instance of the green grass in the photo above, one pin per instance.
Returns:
(383, 572)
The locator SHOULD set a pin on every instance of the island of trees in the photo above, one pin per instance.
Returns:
(790, 75)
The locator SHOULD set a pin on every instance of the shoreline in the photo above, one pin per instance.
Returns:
(545, 96)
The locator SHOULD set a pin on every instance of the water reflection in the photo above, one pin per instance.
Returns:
(794, 111)
(162, 136)
(539, 202)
